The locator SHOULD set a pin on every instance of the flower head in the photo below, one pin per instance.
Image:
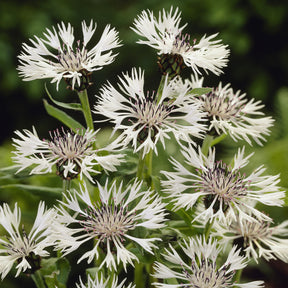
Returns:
(18, 247)
(111, 222)
(100, 282)
(256, 239)
(231, 113)
(144, 118)
(225, 191)
(57, 56)
(175, 49)
(72, 153)
(201, 268)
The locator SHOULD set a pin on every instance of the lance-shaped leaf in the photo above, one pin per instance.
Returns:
(63, 117)
(200, 91)
(72, 106)
(53, 192)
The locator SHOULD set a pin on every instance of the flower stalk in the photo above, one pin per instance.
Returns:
(38, 279)
(238, 275)
(160, 88)
(138, 275)
(208, 228)
(83, 96)
(66, 188)
(207, 143)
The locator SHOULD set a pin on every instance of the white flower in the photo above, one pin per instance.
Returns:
(111, 222)
(200, 267)
(18, 247)
(57, 56)
(146, 119)
(165, 35)
(256, 239)
(225, 191)
(232, 113)
(100, 282)
(73, 154)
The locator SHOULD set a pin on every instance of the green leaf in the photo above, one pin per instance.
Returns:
(55, 272)
(143, 257)
(188, 218)
(35, 190)
(9, 170)
(92, 271)
(62, 116)
(64, 267)
(72, 106)
(201, 91)
(282, 107)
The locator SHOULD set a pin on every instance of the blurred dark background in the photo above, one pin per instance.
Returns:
(255, 30)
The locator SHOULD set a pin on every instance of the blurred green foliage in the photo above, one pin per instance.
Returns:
(255, 30)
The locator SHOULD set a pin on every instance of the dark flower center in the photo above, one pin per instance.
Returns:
(223, 184)
(206, 275)
(22, 247)
(222, 106)
(69, 148)
(250, 233)
(72, 61)
(108, 222)
(150, 115)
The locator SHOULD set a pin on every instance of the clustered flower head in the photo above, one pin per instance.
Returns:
(201, 268)
(224, 192)
(175, 49)
(143, 118)
(257, 239)
(72, 153)
(57, 56)
(21, 248)
(110, 222)
(231, 113)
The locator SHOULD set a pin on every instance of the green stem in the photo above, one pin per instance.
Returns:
(149, 159)
(160, 88)
(66, 187)
(238, 276)
(218, 139)
(208, 228)
(152, 279)
(138, 275)
(207, 144)
(141, 163)
(38, 279)
(83, 96)
(210, 141)
(144, 171)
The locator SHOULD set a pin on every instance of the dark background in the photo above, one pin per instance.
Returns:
(255, 30)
